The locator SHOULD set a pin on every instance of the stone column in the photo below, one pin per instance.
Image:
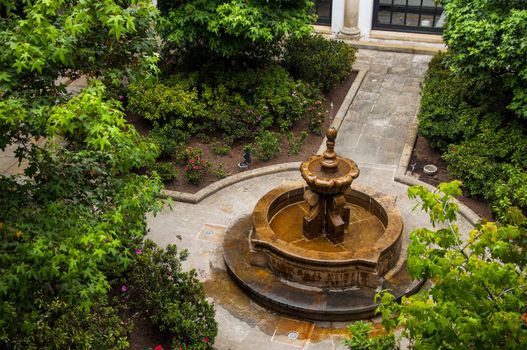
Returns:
(350, 29)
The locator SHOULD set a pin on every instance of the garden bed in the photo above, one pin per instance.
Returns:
(224, 165)
(422, 155)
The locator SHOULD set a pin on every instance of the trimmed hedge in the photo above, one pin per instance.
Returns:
(317, 60)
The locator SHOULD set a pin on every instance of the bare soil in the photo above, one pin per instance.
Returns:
(231, 160)
(424, 154)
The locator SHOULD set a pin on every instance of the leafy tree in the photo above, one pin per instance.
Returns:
(67, 224)
(479, 290)
(487, 39)
(360, 338)
(232, 28)
(42, 41)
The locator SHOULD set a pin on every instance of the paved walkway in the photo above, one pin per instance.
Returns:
(373, 134)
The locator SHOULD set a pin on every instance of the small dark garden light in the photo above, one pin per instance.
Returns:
(246, 159)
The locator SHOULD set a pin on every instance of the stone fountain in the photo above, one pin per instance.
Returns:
(321, 251)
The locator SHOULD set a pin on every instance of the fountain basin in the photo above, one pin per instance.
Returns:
(371, 246)
(312, 279)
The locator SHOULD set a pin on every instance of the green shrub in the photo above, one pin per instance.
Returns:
(232, 29)
(243, 103)
(218, 170)
(479, 162)
(510, 204)
(296, 143)
(169, 137)
(185, 153)
(268, 145)
(196, 169)
(174, 299)
(220, 149)
(317, 60)
(451, 110)
(360, 338)
(166, 171)
(163, 102)
(317, 116)
(57, 324)
(487, 42)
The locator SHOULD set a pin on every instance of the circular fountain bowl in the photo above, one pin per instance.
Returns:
(324, 181)
(271, 260)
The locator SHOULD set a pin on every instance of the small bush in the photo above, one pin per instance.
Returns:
(196, 169)
(242, 104)
(220, 149)
(59, 325)
(166, 171)
(317, 116)
(218, 171)
(175, 98)
(510, 204)
(479, 162)
(453, 108)
(185, 153)
(296, 143)
(320, 61)
(268, 145)
(360, 338)
(174, 299)
(169, 137)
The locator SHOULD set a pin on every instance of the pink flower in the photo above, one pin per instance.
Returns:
(138, 251)
(124, 288)
(192, 160)
(158, 347)
(195, 167)
(206, 339)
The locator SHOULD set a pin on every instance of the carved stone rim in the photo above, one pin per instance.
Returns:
(264, 237)
(328, 185)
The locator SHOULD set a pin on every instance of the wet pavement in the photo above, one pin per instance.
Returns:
(373, 134)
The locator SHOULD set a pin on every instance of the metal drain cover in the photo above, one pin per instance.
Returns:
(292, 335)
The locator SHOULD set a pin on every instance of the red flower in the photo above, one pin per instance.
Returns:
(206, 339)
(158, 347)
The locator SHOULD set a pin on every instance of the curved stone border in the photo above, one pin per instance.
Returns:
(197, 197)
(400, 174)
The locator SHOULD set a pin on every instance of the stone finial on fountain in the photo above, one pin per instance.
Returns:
(330, 162)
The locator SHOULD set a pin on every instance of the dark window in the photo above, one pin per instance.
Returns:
(323, 8)
(422, 16)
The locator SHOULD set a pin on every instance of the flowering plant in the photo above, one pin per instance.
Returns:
(317, 116)
(196, 169)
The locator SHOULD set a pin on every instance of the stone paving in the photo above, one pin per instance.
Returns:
(373, 133)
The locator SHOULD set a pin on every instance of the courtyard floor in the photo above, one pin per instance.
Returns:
(373, 133)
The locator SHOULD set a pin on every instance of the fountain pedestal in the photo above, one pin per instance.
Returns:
(328, 177)
(328, 215)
